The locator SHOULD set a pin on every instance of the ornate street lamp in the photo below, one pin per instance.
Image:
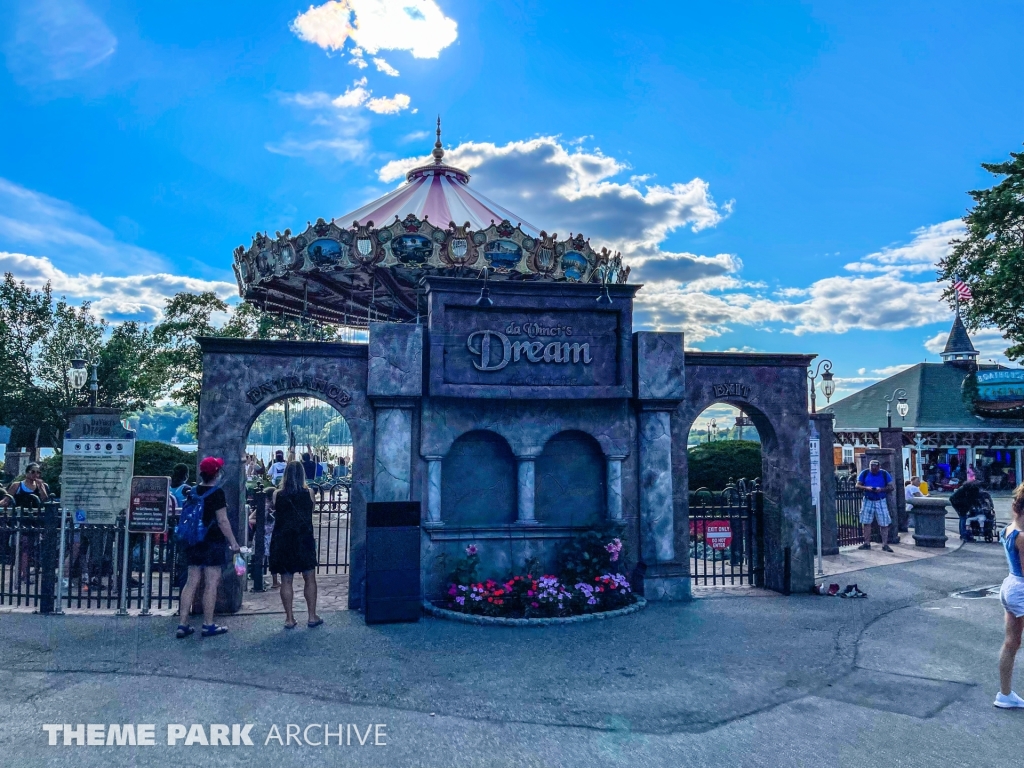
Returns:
(713, 430)
(828, 385)
(78, 374)
(902, 407)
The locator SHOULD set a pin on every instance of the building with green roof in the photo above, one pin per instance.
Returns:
(959, 414)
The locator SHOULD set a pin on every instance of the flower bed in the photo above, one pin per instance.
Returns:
(588, 582)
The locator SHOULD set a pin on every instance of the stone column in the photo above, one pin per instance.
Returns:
(892, 437)
(659, 369)
(525, 495)
(656, 508)
(884, 456)
(614, 487)
(822, 424)
(392, 450)
(394, 384)
(433, 491)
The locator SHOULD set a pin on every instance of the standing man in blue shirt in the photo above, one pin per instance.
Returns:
(876, 483)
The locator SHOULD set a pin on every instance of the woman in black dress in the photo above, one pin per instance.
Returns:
(292, 545)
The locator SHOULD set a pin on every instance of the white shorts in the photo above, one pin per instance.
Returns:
(1011, 595)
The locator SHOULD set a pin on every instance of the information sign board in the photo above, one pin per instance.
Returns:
(147, 512)
(96, 477)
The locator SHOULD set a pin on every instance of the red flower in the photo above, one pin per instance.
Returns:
(490, 599)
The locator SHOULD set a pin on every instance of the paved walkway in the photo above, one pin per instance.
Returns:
(332, 596)
(906, 678)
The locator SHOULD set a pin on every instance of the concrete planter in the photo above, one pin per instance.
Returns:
(929, 521)
(496, 621)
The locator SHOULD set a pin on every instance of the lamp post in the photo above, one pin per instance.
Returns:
(828, 384)
(902, 407)
(742, 421)
(713, 430)
(78, 374)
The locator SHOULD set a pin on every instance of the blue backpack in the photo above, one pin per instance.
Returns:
(190, 529)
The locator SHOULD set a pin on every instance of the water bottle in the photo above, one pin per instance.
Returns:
(239, 564)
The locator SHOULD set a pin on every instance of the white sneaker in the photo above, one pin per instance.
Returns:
(1013, 701)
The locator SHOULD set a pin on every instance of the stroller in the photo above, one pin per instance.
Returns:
(981, 521)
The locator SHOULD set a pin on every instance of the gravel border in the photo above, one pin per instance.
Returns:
(497, 621)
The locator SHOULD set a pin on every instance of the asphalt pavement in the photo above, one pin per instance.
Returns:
(905, 677)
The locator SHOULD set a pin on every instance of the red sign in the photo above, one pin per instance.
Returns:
(718, 534)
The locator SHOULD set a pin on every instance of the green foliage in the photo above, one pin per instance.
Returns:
(990, 259)
(585, 556)
(164, 423)
(158, 459)
(186, 316)
(51, 468)
(711, 464)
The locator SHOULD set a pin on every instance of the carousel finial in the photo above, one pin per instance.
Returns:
(438, 152)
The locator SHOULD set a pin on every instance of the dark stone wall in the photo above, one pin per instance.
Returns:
(571, 481)
(829, 528)
(478, 481)
(233, 369)
(772, 390)
(527, 426)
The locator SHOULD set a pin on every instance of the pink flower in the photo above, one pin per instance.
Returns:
(535, 605)
(471, 550)
(452, 590)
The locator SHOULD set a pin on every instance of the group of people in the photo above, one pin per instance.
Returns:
(314, 467)
(292, 545)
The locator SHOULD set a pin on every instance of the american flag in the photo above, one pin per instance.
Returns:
(963, 292)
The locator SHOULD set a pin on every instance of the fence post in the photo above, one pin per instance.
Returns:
(259, 540)
(122, 599)
(49, 555)
(146, 576)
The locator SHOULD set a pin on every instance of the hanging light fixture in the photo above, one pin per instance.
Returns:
(78, 374)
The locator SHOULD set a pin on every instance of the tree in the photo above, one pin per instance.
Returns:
(712, 465)
(180, 360)
(990, 259)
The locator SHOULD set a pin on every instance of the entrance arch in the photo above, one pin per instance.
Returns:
(772, 391)
(241, 377)
(313, 431)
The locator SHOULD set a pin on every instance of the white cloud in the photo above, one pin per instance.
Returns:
(137, 297)
(416, 26)
(383, 66)
(919, 256)
(564, 190)
(56, 40)
(388, 106)
(355, 96)
(36, 222)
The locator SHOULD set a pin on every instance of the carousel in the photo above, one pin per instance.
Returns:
(369, 265)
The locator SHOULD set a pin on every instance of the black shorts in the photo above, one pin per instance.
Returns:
(206, 553)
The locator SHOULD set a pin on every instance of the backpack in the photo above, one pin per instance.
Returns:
(190, 529)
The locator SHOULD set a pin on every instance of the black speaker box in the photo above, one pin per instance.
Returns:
(393, 591)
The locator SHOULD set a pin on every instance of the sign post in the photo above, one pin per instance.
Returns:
(816, 491)
(147, 513)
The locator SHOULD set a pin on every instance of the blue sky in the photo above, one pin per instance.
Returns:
(781, 175)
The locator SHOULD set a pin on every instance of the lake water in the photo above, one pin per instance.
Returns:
(266, 452)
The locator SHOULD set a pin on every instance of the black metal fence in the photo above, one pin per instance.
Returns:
(86, 570)
(848, 502)
(727, 536)
(331, 528)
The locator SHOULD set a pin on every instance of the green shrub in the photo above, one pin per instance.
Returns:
(158, 459)
(711, 465)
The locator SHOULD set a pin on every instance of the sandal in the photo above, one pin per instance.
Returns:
(184, 630)
(209, 630)
(316, 623)
(293, 625)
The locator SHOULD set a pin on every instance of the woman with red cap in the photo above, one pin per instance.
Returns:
(209, 556)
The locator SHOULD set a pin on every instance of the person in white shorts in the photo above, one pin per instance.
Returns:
(1011, 595)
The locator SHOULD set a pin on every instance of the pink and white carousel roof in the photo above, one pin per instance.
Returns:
(368, 265)
(438, 193)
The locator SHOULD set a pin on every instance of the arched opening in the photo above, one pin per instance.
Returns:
(725, 463)
(478, 481)
(570, 481)
(309, 430)
(723, 447)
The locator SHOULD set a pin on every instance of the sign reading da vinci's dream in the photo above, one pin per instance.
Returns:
(569, 347)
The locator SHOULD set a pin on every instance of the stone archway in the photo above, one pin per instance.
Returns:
(242, 377)
(772, 391)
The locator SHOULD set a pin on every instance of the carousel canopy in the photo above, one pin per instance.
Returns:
(367, 265)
